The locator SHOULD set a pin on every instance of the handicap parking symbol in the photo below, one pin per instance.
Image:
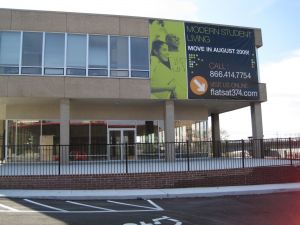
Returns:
(157, 221)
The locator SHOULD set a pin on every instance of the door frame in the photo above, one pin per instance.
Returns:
(122, 141)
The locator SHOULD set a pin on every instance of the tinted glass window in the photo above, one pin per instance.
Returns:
(139, 73)
(119, 73)
(32, 49)
(97, 51)
(119, 52)
(54, 50)
(139, 54)
(76, 50)
(9, 48)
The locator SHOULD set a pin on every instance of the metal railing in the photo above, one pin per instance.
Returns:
(147, 157)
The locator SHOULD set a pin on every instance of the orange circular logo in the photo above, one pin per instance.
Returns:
(199, 85)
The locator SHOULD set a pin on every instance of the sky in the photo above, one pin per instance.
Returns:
(278, 58)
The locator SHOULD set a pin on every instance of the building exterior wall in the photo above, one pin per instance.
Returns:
(30, 97)
(32, 111)
(104, 111)
(2, 111)
(74, 87)
(72, 22)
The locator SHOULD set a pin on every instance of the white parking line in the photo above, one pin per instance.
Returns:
(8, 208)
(90, 206)
(139, 206)
(78, 212)
(46, 206)
(155, 205)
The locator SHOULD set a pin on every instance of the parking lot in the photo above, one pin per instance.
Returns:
(68, 206)
(275, 209)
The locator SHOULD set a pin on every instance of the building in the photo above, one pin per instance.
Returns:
(71, 78)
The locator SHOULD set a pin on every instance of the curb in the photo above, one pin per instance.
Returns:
(151, 193)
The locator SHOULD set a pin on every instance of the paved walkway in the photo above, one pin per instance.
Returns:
(151, 193)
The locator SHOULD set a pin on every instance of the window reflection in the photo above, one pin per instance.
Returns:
(9, 52)
(139, 54)
(98, 53)
(91, 139)
(73, 54)
(119, 56)
(76, 54)
(32, 53)
(54, 53)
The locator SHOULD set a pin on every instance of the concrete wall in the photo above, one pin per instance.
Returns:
(74, 87)
(72, 22)
(32, 111)
(116, 111)
(86, 110)
(2, 111)
(190, 112)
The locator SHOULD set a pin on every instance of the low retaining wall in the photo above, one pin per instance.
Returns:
(247, 176)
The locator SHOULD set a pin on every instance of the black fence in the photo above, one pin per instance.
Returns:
(16, 160)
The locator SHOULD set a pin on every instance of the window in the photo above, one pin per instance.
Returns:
(119, 56)
(45, 53)
(9, 52)
(32, 53)
(79, 132)
(76, 55)
(54, 54)
(98, 138)
(139, 57)
(98, 55)
(50, 132)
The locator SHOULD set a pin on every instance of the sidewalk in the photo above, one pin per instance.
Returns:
(150, 193)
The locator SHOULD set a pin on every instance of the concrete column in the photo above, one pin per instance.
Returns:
(256, 117)
(170, 130)
(257, 129)
(215, 134)
(64, 130)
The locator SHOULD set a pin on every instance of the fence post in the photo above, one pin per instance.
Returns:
(226, 149)
(290, 146)
(262, 149)
(188, 154)
(243, 153)
(59, 152)
(126, 157)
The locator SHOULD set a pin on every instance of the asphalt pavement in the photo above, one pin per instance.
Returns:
(263, 209)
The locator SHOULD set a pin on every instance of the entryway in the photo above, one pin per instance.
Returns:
(118, 140)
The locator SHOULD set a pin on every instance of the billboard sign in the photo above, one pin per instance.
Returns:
(217, 62)
(221, 62)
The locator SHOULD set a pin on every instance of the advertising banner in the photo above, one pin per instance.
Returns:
(201, 61)
(168, 60)
(221, 62)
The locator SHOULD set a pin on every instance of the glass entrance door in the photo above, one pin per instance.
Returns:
(118, 140)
